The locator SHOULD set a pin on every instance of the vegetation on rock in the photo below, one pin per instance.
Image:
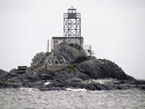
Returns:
(72, 67)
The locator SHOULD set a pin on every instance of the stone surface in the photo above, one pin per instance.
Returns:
(63, 55)
(102, 68)
(69, 67)
(3, 74)
(71, 53)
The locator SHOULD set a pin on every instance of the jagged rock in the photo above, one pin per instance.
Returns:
(69, 67)
(38, 59)
(102, 68)
(71, 53)
(9, 85)
(31, 75)
(64, 54)
(3, 74)
(12, 73)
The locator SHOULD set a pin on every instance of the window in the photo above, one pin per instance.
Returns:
(55, 44)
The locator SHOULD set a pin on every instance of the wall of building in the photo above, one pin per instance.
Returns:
(55, 41)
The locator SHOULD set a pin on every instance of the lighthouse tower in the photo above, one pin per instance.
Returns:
(71, 30)
(72, 23)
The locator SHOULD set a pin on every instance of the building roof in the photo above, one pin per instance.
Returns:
(67, 37)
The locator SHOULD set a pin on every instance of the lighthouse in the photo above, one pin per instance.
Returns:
(71, 32)
(72, 23)
(71, 29)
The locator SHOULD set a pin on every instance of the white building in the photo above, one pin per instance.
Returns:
(55, 41)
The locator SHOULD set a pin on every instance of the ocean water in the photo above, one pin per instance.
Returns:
(29, 98)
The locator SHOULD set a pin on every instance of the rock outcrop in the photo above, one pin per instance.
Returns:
(63, 55)
(69, 67)
(72, 53)
(102, 68)
(3, 74)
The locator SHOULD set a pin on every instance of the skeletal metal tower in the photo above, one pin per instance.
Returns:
(72, 23)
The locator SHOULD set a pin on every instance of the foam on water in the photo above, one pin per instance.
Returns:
(28, 89)
(46, 83)
(72, 89)
(25, 89)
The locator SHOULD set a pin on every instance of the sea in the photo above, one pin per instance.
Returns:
(31, 98)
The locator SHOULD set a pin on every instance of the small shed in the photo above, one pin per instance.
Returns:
(22, 69)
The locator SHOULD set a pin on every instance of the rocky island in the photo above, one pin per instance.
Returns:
(69, 67)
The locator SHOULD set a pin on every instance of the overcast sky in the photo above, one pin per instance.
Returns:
(114, 28)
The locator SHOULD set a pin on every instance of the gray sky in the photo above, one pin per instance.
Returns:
(114, 28)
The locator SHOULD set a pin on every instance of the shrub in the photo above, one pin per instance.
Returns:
(1, 80)
(11, 81)
(72, 67)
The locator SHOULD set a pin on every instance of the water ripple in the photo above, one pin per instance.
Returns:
(28, 98)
